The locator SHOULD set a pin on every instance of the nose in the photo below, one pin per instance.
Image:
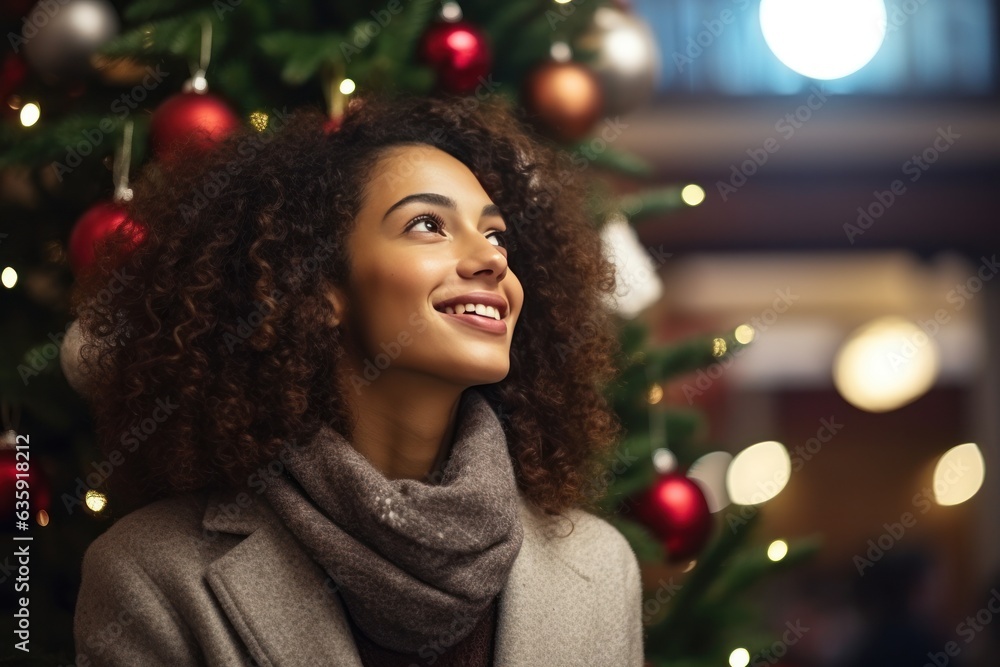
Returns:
(480, 257)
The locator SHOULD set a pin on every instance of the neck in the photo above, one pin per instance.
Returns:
(404, 423)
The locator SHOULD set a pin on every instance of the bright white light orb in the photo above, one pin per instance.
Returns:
(824, 39)
(709, 472)
(745, 334)
(777, 550)
(30, 113)
(739, 658)
(664, 460)
(886, 364)
(95, 501)
(693, 194)
(758, 473)
(8, 277)
(959, 474)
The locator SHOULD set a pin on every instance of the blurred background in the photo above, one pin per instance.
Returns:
(812, 214)
(800, 197)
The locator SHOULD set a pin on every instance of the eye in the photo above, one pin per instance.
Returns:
(501, 237)
(429, 218)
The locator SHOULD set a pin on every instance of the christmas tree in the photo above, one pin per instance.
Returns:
(91, 90)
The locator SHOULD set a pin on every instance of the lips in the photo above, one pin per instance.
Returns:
(487, 324)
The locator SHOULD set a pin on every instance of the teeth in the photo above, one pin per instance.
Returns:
(477, 308)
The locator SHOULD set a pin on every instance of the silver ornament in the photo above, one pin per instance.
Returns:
(625, 58)
(60, 37)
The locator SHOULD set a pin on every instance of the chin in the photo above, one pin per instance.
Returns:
(484, 376)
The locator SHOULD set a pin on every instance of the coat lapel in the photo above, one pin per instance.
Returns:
(297, 619)
(292, 619)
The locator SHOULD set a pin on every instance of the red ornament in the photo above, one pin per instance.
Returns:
(191, 118)
(675, 509)
(459, 51)
(38, 495)
(12, 75)
(565, 98)
(15, 9)
(99, 221)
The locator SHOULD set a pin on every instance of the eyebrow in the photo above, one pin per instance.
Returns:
(439, 200)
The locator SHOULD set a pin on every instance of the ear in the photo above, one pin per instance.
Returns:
(338, 299)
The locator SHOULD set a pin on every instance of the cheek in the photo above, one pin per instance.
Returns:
(395, 289)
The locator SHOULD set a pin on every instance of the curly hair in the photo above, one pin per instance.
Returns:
(215, 349)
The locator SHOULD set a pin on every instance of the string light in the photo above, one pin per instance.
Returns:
(347, 86)
(777, 550)
(95, 501)
(959, 474)
(560, 52)
(664, 460)
(709, 472)
(758, 473)
(8, 277)
(886, 364)
(450, 11)
(258, 120)
(744, 334)
(693, 194)
(30, 113)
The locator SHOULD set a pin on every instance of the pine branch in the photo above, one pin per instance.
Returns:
(752, 566)
(146, 10)
(649, 203)
(674, 631)
(301, 54)
(175, 36)
(622, 162)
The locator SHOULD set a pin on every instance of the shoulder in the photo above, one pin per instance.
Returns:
(589, 543)
(164, 535)
(143, 573)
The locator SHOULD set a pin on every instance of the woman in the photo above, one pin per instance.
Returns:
(362, 373)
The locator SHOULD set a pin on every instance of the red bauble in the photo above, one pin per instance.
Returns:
(99, 221)
(12, 74)
(675, 509)
(198, 119)
(459, 51)
(15, 9)
(38, 495)
(564, 98)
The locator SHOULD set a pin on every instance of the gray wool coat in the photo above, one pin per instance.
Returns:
(200, 579)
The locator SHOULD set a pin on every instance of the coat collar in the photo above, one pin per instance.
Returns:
(297, 619)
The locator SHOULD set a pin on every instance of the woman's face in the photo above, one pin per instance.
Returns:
(428, 235)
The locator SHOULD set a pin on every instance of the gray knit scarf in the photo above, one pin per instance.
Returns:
(412, 561)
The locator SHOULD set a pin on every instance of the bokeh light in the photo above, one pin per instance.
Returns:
(823, 39)
(758, 473)
(959, 474)
(885, 364)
